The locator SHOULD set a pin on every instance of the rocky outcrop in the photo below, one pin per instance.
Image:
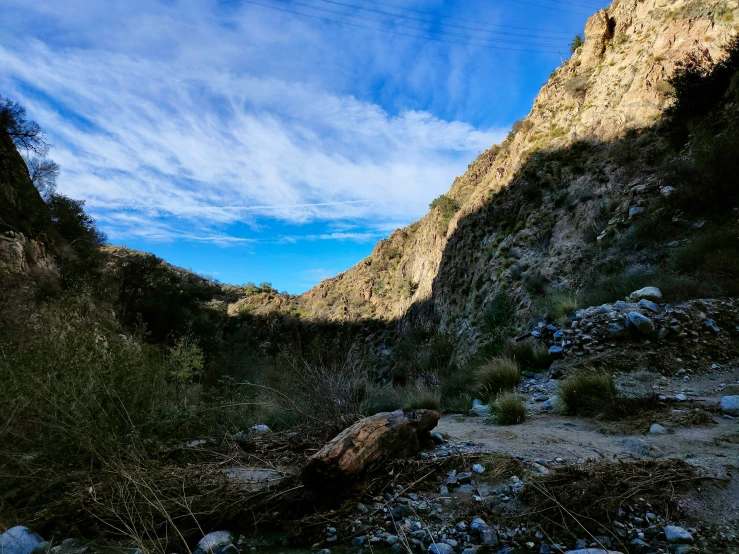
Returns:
(22, 255)
(533, 208)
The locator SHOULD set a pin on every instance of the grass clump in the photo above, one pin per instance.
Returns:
(497, 375)
(421, 396)
(589, 392)
(530, 355)
(509, 409)
(558, 304)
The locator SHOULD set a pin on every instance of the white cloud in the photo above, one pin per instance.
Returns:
(170, 145)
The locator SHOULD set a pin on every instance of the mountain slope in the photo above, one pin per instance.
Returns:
(604, 100)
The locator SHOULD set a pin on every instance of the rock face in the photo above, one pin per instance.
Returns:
(524, 216)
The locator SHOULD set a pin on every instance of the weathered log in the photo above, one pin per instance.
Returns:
(381, 436)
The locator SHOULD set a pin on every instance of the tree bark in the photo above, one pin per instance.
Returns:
(369, 440)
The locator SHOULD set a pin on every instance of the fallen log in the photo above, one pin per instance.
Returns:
(381, 436)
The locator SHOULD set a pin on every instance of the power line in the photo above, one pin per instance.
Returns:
(435, 39)
(466, 20)
(546, 7)
(464, 27)
(458, 35)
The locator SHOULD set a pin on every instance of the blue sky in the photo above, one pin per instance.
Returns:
(273, 140)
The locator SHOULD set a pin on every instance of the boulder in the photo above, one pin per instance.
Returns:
(642, 323)
(677, 535)
(730, 405)
(19, 540)
(647, 293)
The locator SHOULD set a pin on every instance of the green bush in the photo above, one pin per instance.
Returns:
(589, 392)
(509, 409)
(447, 206)
(576, 43)
(530, 355)
(497, 375)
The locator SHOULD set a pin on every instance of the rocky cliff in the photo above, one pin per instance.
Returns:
(26, 233)
(554, 203)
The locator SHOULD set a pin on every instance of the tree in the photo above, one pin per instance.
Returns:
(43, 172)
(81, 255)
(576, 43)
(25, 133)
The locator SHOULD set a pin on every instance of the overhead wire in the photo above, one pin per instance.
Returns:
(394, 32)
(458, 35)
(464, 27)
(467, 20)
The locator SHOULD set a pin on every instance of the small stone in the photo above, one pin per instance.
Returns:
(711, 326)
(677, 535)
(478, 468)
(437, 437)
(441, 548)
(216, 539)
(680, 397)
(260, 428)
(477, 523)
(644, 325)
(648, 293)
(666, 191)
(391, 539)
(359, 541)
(635, 211)
(648, 305)
(480, 410)
(730, 405)
(657, 429)
(488, 536)
(556, 351)
(362, 508)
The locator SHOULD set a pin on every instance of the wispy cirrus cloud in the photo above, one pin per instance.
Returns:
(229, 124)
(211, 146)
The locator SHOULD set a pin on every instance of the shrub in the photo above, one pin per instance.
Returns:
(578, 86)
(447, 206)
(497, 375)
(576, 43)
(588, 392)
(698, 89)
(714, 254)
(25, 133)
(459, 404)
(509, 409)
(421, 396)
(530, 355)
(558, 304)
(384, 399)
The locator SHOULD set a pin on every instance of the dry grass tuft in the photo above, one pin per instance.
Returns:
(497, 375)
(509, 409)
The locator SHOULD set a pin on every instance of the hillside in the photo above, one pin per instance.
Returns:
(531, 207)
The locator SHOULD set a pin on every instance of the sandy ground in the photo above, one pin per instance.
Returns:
(714, 448)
